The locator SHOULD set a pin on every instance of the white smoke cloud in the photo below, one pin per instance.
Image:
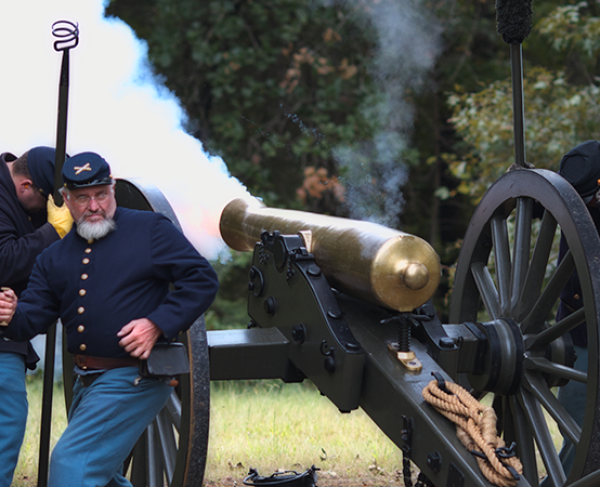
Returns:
(115, 109)
(408, 42)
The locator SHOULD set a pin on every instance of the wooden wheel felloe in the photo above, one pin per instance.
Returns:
(173, 449)
(508, 281)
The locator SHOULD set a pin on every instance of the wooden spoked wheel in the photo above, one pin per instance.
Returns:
(507, 278)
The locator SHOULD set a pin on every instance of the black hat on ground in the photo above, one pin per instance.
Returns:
(40, 161)
(86, 169)
(581, 167)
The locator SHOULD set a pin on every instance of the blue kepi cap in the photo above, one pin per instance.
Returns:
(86, 169)
(40, 161)
(581, 167)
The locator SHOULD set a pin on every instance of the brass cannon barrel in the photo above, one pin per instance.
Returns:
(366, 260)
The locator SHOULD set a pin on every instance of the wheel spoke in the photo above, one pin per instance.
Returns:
(517, 429)
(502, 259)
(535, 319)
(543, 438)
(521, 248)
(556, 370)
(154, 466)
(168, 443)
(537, 268)
(544, 338)
(487, 290)
(173, 408)
(138, 463)
(538, 387)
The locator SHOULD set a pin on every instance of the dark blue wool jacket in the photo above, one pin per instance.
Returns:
(23, 237)
(98, 286)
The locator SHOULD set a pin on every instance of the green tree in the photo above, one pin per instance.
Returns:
(562, 107)
(270, 86)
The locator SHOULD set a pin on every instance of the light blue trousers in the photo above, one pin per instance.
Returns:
(13, 413)
(105, 421)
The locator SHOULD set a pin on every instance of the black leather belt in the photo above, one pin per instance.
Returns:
(86, 362)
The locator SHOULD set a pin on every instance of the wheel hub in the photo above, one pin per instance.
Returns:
(503, 366)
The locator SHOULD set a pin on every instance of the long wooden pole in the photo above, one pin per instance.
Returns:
(68, 37)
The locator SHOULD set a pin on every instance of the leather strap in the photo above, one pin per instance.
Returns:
(86, 362)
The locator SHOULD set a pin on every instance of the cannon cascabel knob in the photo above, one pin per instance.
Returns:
(414, 275)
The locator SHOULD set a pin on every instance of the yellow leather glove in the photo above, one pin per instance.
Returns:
(59, 217)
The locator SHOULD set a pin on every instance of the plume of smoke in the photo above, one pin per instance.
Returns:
(408, 44)
(116, 108)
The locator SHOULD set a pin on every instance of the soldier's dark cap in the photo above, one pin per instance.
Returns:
(40, 162)
(8, 157)
(86, 169)
(581, 167)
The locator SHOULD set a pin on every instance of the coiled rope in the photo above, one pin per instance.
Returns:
(476, 429)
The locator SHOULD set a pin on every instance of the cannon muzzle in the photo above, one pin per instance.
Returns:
(366, 260)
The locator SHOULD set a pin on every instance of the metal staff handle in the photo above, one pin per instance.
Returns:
(514, 25)
(67, 34)
(516, 57)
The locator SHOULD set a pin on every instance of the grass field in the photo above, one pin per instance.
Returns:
(265, 425)
(271, 425)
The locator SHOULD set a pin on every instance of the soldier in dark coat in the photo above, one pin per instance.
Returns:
(108, 280)
(25, 184)
(580, 167)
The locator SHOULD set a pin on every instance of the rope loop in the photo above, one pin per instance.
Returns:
(476, 429)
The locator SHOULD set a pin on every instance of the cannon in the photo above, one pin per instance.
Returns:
(321, 309)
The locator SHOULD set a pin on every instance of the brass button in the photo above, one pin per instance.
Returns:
(576, 296)
(86, 261)
(80, 310)
(80, 328)
(84, 277)
(91, 241)
(83, 347)
(88, 250)
(82, 292)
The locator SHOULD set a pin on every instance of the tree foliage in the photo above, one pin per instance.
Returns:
(562, 106)
(271, 86)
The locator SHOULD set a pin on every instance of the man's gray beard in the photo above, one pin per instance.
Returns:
(95, 230)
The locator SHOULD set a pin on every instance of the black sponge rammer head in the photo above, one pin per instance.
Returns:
(514, 19)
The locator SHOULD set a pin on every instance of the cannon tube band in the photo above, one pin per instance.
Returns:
(366, 260)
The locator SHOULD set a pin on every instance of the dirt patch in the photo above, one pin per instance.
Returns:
(325, 479)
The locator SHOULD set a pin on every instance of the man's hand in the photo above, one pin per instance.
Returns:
(138, 337)
(8, 305)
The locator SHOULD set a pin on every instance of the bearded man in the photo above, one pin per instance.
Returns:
(108, 280)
